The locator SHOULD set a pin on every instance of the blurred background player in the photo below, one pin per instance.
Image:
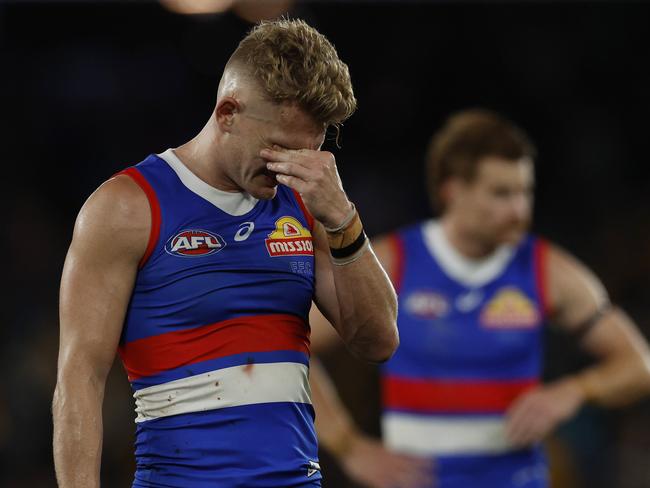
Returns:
(475, 292)
(201, 269)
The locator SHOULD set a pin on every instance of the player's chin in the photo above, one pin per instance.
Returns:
(513, 235)
(264, 187)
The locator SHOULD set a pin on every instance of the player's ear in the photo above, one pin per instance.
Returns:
(225, 112)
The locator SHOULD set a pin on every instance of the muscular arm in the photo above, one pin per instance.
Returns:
(109, 239)
(622, 372)
(358, 300)
(324, 336)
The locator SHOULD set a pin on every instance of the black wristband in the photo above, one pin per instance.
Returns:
(347, 251)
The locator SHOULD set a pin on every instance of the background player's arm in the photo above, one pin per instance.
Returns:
(110, 237)
(362, 458)
(579, 304)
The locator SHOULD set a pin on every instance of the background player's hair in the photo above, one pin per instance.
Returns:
(293, 62)
(467, 137)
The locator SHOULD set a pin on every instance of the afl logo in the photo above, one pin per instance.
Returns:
(194, 243)
(426, 304)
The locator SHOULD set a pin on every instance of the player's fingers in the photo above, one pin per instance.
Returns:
(534, 431)
(518, 423)
(411, 472)
(291, 169)
(286, 156)
(292, 182)
(410, 479)
(528, 428)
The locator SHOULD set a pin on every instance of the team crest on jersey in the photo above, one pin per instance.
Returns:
(289, 238)
(194, 243)
(510, 309)
(426, 305)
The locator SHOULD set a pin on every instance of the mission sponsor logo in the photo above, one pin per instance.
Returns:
(510, 309)
(289, 238)
(194, 243)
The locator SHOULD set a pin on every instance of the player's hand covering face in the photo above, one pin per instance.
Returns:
(313, 174)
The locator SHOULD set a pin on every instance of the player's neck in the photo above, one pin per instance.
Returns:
(464, 242)
(201, 159)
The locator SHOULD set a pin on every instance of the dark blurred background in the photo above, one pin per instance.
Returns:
(87, 88)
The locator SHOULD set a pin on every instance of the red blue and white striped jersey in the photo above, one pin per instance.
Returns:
(470, 343)
(216, 337)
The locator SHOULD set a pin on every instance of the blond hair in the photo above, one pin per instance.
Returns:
(464, 140)
(293, 62)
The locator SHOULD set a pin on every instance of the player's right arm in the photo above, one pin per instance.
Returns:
(323, 335)
(110, 238)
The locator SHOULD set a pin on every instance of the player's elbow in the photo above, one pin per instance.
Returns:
(389, 346)
(377, 348)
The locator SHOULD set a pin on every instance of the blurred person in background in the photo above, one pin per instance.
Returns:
(475, 291)
(200, 268)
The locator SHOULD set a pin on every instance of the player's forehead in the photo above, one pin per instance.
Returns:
(495, 169)
(288, 125)
(296, 129)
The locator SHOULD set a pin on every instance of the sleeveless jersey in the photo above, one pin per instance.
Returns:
(216, 338)
(470, 343)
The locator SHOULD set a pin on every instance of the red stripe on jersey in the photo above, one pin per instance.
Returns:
(398, 260)
(435, 396)
(156, 218)
(258, 333)
(541, 279)
(308, 216)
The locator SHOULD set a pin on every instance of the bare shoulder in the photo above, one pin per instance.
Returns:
(116, 217)
(575, 292)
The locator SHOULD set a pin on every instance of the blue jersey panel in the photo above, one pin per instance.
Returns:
(452, 331)
(225, 449)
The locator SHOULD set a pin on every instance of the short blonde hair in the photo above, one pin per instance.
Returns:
(293, 62)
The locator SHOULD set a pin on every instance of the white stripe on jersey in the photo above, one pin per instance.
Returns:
(227, 387)
(428, 435)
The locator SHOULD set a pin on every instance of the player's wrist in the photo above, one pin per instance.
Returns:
(347, 242)
(340, 218)
(574, 392)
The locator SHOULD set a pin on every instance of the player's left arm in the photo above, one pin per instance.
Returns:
(580, 305)
(352, 289)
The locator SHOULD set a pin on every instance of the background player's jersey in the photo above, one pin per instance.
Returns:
(216, 339)
(470, 343)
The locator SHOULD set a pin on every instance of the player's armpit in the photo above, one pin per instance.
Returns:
(110, 237)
